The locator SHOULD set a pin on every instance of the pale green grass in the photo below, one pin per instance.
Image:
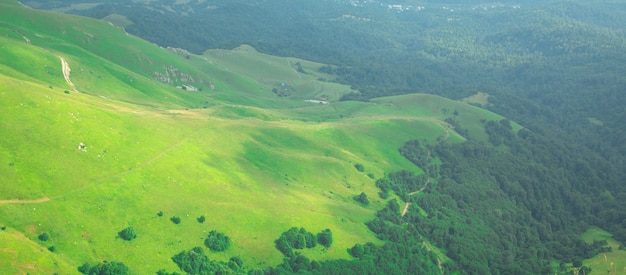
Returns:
(440, 108)
(479, 98)
(595, 121)
(271, 71)
(79, 6)
(118, 20)
(20, 255)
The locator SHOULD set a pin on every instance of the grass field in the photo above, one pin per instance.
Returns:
(612, 263)
(254, 163)
(479, 98)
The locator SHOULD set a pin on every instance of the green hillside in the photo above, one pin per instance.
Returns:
(245, 150)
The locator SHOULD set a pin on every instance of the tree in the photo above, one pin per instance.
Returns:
(357, 251)
(235, 263)
(104, 268)
(201, 219)
(194, 261)
(325, 238)
(295, 238)
(217, 241)
(362, 198)
(43, 236)
(309, 238)
(577, 263)
(175, 219)
(127, 233)
(359, 167)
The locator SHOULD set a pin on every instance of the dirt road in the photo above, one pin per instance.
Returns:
(65, 67)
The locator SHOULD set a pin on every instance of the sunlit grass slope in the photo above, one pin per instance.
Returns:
(613, 262)
(252, 179)
(253, 162)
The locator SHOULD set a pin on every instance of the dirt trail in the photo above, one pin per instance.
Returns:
(65, 67)
(406, 208)
(294, 70)
(445, 137)
(18, 201)
(439, 262)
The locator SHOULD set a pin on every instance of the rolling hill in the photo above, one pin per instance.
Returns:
(102, 130)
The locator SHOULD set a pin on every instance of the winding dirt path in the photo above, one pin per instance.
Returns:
(18, 201)
(65, 67)
(445, 137)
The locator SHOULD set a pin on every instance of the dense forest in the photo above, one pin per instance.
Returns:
(509, 206)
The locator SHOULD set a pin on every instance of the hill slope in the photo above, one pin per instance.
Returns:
(82, 164)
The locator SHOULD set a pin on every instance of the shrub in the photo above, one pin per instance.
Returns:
(295, 238)
(362, 199)
(217, 241)
(235, 263)
(194, 261)
(325, 238)
(103, 268)
(201, 219)
(44, 237)
(160, 214)
(127, 233)
(359, 167)
(175, 220)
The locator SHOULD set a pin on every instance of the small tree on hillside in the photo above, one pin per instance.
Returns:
(175, 219)
(362, 199)
(127, 233)
(359, 167)
(44, 237)
(217, 241)
(325, 238)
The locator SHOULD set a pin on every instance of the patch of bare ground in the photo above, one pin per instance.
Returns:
(18, 201)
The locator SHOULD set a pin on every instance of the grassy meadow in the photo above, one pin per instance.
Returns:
(251, 161)
(611, 263)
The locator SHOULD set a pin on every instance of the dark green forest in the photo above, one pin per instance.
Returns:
(511, 205)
